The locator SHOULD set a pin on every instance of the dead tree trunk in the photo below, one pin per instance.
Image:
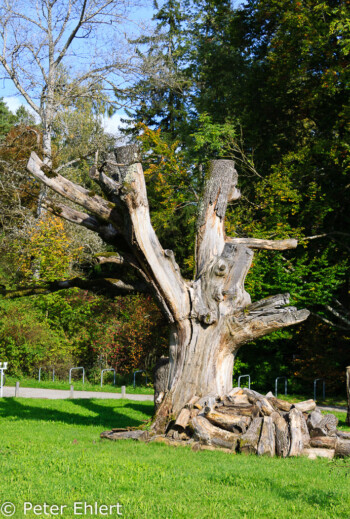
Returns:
(210, 317)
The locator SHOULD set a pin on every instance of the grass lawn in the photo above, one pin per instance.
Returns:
(78, 385)
(50, 452)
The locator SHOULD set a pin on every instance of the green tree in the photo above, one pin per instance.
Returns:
(7, 119)
(161, 95)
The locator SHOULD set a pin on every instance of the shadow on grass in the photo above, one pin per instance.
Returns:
(88, 412)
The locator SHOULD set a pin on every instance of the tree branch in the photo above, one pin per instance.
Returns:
(256, 243)
(73, 192)
(158, 265)
(106, 286)
(125, 259)
(72, 35)
(19, 86)
(107, 232)
(262, 318)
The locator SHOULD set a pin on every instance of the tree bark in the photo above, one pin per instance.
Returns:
(210, 317)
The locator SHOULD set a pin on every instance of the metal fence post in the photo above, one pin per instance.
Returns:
(242, 376)
(108, 369)
(53, 374)
(3, 366)
(285, 385)
(138, 371)
(70, 374)
(323, 387)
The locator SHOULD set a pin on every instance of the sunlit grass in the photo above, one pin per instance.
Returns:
(51, 452)
(78, 385)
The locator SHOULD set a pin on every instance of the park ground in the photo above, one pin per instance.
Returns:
(51, 453)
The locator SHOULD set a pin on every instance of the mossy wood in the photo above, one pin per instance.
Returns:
(210, 317)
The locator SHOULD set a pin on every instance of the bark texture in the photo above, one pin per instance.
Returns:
(210, 317)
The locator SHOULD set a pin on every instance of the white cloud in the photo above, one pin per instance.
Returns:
(113, 124)
(13, 103)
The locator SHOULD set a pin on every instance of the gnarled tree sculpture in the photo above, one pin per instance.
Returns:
(210, 317)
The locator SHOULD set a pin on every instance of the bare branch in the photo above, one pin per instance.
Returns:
(337, 314)
(73, 192)
(125, 259)
(72, 35)
(262, 318)
(109, 286)
(107, 232)
(19, 86)
(255, 243)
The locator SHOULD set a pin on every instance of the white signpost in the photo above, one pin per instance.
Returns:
(3, 366)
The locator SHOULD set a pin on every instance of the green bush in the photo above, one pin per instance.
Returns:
(28, 342)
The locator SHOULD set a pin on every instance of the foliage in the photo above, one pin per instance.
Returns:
(46, 244)
(126, 334)
(27, 341)
(7, 119)
(132, 336)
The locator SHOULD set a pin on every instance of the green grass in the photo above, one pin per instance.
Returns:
(78, 385)
(328, 401)
(51, 452)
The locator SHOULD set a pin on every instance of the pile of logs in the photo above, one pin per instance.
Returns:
(248, 422)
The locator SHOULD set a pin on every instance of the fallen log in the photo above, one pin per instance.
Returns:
(125, 435)
(312, 454)
(264, 405)
(197, 446)
(324, 442)
(313, 419)
(305, 431)
(208, 400)
(342, 448)
(282, 405)
(326, 427)
(239, 410)
(266, 445)
(191, 403)
(237, 399)
(183, 418)
(209, 434)
(296, 436)
(282, 437)
(343, 435)
(306, 406)
(248, 442)
(235, 391)
(229, 422)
